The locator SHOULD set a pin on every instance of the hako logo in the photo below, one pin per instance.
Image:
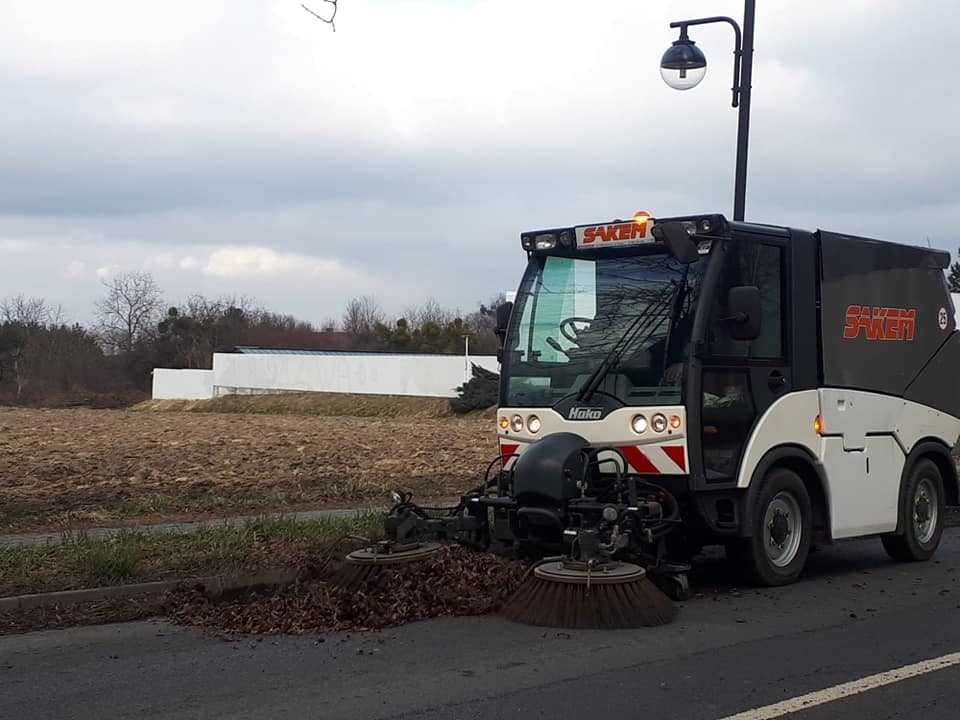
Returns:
(584, 413)
(879, 323)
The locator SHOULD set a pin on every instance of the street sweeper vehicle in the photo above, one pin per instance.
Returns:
(672, 383)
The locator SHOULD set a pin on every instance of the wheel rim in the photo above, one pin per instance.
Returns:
(926, 510)
(782, 529)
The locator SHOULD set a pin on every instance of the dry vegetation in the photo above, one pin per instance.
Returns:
(78, 561)
(323, 404)
(75, 468)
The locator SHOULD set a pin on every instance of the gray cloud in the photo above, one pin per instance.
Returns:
(409, 152)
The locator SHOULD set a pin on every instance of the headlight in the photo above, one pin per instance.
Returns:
(533, 424)
(516, 423)
(545, 242)
(639, 424)
(659, 422)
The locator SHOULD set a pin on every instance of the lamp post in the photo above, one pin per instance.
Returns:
(683, 66)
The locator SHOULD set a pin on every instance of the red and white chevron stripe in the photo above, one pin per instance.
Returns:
(644, 460)
(656, 459)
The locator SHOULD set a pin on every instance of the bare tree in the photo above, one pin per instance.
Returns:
(362, 315)
(29, 311)
(430, 312)
(328, 325)
(328, 20)
(130, 310)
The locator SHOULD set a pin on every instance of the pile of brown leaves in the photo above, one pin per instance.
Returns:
(90, 613)
(453, 582)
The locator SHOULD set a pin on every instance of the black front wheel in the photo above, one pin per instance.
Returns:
(782, 528)
(921, 515)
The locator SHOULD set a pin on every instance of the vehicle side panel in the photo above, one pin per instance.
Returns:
(866, 439)
(885, 312)
(789, 420)
(936, 385)
(863, 486)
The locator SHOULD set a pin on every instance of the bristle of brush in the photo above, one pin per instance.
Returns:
(540, 602)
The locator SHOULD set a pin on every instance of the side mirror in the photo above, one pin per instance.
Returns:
(678, 241)
(503, 320)
(743, 303)
(503, 317)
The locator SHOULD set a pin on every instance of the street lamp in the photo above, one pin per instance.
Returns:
(684, 65)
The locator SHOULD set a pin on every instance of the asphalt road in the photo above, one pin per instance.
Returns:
(854, 614)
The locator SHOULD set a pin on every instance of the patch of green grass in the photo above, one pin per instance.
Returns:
(79, 560)
(105, 561)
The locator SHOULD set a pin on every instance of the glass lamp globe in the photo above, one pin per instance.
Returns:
(683, 65)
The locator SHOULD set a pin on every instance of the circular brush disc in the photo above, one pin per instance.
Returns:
(578, 574)
(364, 566)
(369, 556)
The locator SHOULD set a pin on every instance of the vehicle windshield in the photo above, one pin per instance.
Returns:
(572, 312)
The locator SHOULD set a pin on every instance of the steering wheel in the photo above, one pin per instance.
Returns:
(568, 327)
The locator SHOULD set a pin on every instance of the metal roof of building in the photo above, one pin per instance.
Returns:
(248, 350)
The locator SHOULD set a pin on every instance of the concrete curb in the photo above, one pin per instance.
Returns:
(214, 586)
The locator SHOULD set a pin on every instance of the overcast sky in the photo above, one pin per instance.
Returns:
(242, 147)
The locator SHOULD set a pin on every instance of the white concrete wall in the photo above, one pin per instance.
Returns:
(379, 374)
(182, 384)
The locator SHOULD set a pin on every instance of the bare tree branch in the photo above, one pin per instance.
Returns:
(329, 20)
(129, 311)
(29, 311)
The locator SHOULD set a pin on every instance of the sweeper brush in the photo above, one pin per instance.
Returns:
(593, 535)
(361, 567)
(571, 594)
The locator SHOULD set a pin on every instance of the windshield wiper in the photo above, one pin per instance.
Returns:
(646, 321)
(675, 311)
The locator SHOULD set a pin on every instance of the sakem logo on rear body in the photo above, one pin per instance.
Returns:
(880, 323)
(585, 413)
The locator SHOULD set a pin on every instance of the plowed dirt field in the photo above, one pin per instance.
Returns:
(79, 468)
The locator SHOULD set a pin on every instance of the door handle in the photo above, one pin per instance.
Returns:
(776, 380)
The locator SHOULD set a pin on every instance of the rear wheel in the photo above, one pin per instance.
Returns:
(921, 515)
(782, 527)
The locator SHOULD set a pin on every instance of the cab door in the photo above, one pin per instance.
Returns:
(740, 379)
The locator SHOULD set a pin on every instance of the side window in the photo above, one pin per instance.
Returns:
(728, 413)
(748, 262)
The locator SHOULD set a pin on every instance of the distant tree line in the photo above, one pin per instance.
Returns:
(46, 360)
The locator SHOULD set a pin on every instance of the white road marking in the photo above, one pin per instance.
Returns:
(854, 687)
